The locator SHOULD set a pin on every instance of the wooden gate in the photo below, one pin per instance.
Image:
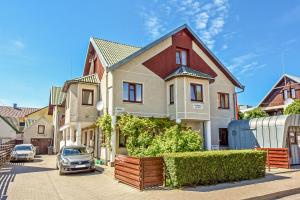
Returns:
(41, 144)
(139, 172)
(277, 157)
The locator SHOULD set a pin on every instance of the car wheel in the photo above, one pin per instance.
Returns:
(93, 170)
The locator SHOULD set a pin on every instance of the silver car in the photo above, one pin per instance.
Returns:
(74, 159)
(23, 152)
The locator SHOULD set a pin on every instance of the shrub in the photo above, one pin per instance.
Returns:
(211, 167)
(255, 113)
(293, 108)
(153, 136)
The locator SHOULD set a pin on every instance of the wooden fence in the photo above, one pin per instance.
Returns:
(5, 150)
(139, 172)
(277, 157)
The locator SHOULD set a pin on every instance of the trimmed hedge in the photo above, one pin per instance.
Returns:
(211, 167)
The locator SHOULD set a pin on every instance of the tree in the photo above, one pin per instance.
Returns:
(293, 108)
(255, 113)
(240, 115)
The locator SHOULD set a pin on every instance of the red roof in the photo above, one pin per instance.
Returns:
(8, 111)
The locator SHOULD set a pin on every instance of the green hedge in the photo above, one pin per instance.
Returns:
(212, 167)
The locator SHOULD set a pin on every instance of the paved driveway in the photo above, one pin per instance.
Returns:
(40, 180)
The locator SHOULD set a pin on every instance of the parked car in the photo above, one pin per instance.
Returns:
(74, 159)
(23, 152)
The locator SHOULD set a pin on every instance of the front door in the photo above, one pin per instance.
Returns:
(294, 139)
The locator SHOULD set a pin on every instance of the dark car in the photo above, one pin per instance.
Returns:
(74, 159)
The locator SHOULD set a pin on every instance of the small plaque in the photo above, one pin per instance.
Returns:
(198, 106)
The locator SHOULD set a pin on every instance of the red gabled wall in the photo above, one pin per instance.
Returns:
(164, 63)
(98, 67)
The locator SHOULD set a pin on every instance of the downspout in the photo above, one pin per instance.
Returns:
(236, 114)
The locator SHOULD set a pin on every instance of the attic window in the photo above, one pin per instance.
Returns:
(181, 56)
(293, 93)
(285, 94)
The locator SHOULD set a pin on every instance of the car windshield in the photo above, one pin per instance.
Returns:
(74, 151)
(23, 148)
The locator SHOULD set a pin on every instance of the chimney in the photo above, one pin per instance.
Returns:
(15, 106)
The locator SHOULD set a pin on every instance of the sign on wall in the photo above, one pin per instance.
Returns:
(198, 106)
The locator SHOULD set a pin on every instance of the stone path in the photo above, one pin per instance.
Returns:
(39, 180)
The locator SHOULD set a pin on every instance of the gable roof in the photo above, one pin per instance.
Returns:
(57, 96)
(187, 71)
(294, 78)
(91, 79)
(119, 62)
(10, 122)
(8, 111)
(113, 52)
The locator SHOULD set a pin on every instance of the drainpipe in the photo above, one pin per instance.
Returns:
(236, 103)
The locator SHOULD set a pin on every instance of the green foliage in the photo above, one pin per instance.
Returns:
(153, 136)
(293, 108)
(104, 122)
(211, 167)
(240, 115)
(255, 113)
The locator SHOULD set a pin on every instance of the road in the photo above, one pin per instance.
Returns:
(39, 180)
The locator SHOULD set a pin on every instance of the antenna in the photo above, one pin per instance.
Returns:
(282, 63)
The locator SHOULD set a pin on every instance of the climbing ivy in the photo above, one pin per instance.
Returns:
(105, 124)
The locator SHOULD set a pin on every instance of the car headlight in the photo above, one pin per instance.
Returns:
(65, 162)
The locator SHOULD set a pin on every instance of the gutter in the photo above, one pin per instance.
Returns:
(235, 102)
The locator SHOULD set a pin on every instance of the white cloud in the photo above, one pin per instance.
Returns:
(153, 25)
(245, 64)
(201, 20)
(208, 18)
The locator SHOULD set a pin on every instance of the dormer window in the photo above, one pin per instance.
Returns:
(181, 57)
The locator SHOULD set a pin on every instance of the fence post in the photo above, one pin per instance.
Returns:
(268, 160)
(142, 174)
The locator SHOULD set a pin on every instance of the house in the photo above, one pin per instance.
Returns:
(31, 125)
(38, 130)
(283, 93)
(175, 76)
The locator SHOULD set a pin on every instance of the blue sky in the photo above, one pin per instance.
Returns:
(43, 43)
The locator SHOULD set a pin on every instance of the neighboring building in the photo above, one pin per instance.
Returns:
(283, 93)
(38, 130)
(244, 108)
(32, 125)
(176, 76)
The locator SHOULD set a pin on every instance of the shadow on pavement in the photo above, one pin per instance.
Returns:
(223, 186)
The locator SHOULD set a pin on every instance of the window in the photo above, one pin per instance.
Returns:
(223, 137)
(87, 97)
(196, 92)
(122, 140)
(224, 100)
(22, 124)
(285, 94)
(181, 56)
(41, 129)
(293, 93)
(171, 94)
(132, 92)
